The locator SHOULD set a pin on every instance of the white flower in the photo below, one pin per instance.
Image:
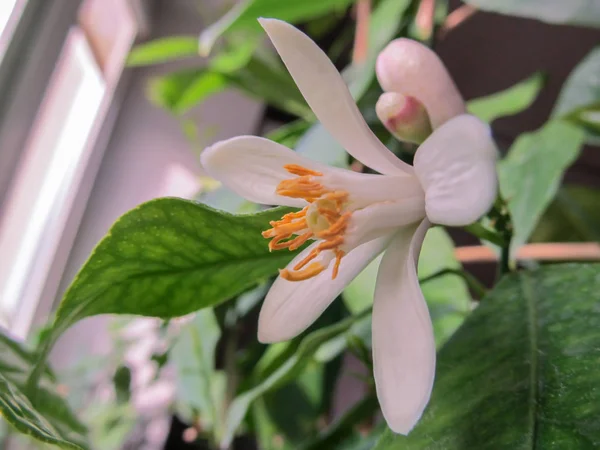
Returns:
(353, 217)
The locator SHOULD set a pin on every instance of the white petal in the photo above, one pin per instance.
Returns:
(457, 168)
(366, 189)
(291, 307)
(384, 218)
(411, 68)
(329, 98)
(253, 167)
(403, 341)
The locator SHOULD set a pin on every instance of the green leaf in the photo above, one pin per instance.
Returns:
(572, 12)
(16, 362)
(122, 383)
(345, 428)
(510, 101)
(573, 216)
(522, 370)
(286, 370)
(290, 133)
(270, 82)
(448, 297)
(580, 92)
(178, 92)
(163, 50)
(16, 409)
(163, 259)
(531, 173)
(200, 388)
(245, 14)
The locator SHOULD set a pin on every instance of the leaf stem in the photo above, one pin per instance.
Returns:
(361, 36)
(477, 229)
(474, 284)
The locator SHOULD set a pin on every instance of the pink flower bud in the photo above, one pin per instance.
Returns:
(410, 68)
(404, 116)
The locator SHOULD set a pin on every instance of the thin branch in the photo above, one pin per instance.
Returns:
(424, 19)
(455, 19)
(566, 251)
(361, 37)
(474, 284)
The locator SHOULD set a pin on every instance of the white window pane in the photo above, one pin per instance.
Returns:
(37, 207)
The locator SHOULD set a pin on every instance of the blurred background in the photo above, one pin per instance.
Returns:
(82, 141)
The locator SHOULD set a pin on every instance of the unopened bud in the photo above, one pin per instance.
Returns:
(404, 116)
(408, 67)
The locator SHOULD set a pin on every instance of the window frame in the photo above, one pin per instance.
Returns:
(41, 34)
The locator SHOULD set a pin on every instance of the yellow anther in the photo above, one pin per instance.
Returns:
(299, 170)
(324, 219)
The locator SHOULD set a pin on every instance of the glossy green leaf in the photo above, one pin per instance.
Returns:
(163, 50)
(282, 372)
(178, 92)
(161, 259)
(573, 216)
(15, 363)
(510, 101)
(531, 173)
(572, 12)
(581, 94)
(522, 372)
(245, 14)
(447, 296)
(16, 409)
(200, 387)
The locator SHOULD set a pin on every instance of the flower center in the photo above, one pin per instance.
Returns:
(323, 219)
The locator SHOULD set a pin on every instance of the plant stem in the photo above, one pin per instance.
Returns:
(361, 37)
(474, 284)
(477, 229)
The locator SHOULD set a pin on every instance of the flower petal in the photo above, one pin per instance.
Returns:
(329, 98)
(253, 167)
(410, 68)
(403, 341)
(457, 169)
(292, 306)
(383, 218)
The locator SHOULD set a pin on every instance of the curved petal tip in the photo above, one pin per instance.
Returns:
(456, 166)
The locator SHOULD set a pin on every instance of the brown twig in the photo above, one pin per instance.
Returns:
(567, 251)
(361, 37)
(424, 19)
(456, 18)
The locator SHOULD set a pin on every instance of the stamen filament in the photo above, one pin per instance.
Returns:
(312, 270)
(338, 259)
